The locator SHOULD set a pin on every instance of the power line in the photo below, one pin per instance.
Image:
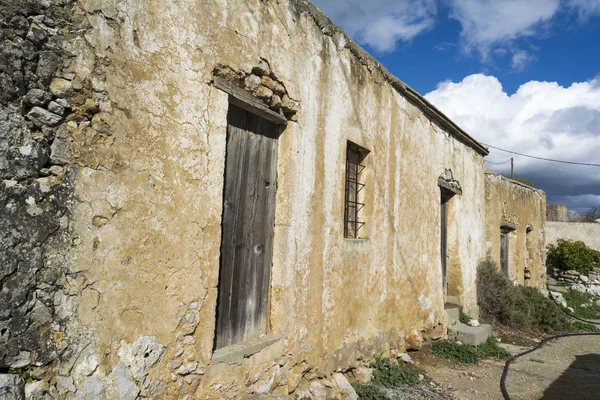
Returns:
(503, 162)
(542, 158)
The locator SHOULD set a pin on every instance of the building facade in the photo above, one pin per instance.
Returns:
(220, 198)
(515, 229)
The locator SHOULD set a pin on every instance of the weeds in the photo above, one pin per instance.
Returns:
(469, 354)
(369, 392)
(388, 375)
(584, 326)
(455, 352)
(490, 348)
(583, 304)
(385, 374)
(464, 318)
(23, 373)
(535, 360)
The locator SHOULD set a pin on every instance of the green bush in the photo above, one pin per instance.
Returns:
(469, 354)
(517, 306)
(390, 375)
(573, 255)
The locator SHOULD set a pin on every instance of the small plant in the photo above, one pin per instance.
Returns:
(573, 255)
(464, 318)
(584, 326)
(389, 375)
(369, 392)
(535, 360)
(469, 354)
(22, 372)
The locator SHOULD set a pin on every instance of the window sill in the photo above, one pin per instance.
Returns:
(236, 353)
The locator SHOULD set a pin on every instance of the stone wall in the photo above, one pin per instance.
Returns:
(36, 187)
(113, 180)
(587, 232)
(560, 213)
(520, 209)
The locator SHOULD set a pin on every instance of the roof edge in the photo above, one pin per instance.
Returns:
(330, 29)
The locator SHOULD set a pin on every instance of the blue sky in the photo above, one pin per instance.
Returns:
(523, 75)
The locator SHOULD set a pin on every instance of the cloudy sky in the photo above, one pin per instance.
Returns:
(521, 75)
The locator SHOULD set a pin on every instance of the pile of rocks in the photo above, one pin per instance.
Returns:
(575, 281)
(262, 83)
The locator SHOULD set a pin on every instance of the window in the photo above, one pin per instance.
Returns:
(354, 196)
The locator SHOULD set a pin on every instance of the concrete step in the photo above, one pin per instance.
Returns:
(453, 312)
(472, 335)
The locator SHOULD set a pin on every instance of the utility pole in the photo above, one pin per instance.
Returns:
(512, 169)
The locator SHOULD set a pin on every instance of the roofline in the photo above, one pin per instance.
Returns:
(330, 29)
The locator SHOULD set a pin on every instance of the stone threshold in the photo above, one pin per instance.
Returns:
(236, 353)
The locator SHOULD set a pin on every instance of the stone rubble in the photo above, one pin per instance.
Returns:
(576, 281)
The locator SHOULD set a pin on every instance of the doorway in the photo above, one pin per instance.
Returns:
(247, 227)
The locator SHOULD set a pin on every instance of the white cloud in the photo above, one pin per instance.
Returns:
(542, 119)
(381, 23)
(585, 8)
(487, 24)
(521, 59)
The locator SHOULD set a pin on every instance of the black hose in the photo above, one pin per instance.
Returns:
(542, 343)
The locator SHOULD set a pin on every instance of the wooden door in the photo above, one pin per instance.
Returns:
(247, 227)
(504, 252)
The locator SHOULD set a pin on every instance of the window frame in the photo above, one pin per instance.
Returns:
(354, 184)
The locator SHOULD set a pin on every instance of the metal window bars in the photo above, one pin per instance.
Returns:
(354, 168)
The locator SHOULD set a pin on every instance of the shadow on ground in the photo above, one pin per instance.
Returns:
(581, 380)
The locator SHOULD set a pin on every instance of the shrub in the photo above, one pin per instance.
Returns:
(517, 306)
(573, 255)
(490, 348)
(390, 375)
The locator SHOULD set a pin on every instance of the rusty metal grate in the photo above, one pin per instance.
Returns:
(352, 204)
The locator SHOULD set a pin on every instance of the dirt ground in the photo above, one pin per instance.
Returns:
(565, 368)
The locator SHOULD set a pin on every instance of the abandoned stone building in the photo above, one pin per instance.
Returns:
(217, 198)
(515, 229)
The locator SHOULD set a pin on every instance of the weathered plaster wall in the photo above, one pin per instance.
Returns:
(514, 204)
(146, 156)
(587, 232)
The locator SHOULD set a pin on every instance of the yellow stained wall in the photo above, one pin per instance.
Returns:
(513, 204)
(148, 215)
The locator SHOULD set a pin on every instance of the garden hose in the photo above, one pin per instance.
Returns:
(542, 343)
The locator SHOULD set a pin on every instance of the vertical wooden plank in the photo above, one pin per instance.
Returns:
(248, 219)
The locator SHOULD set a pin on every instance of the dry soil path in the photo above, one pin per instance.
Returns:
(566, 368)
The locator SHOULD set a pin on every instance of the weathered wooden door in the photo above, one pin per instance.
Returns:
(247, 227)
(504, 252)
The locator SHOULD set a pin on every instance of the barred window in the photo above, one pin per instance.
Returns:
(354, 203)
